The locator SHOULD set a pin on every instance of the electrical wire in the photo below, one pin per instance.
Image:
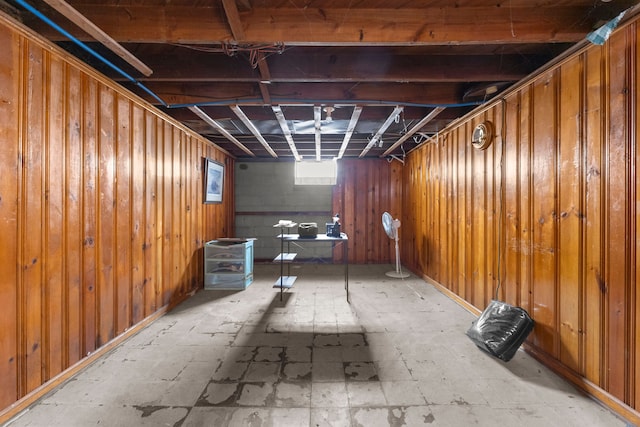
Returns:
(87, 49)
(501, 226)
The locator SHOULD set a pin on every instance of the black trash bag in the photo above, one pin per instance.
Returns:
(501, 329)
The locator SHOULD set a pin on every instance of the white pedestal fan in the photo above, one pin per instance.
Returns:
(391, 226)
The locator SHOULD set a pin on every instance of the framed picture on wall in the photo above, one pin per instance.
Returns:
(213, 181)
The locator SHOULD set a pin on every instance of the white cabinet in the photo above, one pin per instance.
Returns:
(228, 264)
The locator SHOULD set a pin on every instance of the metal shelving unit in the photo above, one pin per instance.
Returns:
(285, 281)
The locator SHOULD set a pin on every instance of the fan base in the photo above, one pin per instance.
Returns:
(397, 274)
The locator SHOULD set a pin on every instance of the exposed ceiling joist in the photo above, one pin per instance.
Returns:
(392, 117)
(81, 21)
(360, 58)
(350, 64)
(243, 117)
(265, 78)
(197, 111)
(392, 64)
(233, 18)
(339, 25)
(282, 93)
(413, 130)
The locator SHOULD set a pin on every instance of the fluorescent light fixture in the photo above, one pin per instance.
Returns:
(352, 126)
(214, 124)
(243, 117)
(277, 110)
(317, 116)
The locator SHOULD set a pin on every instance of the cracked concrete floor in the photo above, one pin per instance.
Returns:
(396, 356)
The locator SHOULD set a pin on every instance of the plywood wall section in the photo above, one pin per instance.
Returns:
(365, 189)
(101, 214)
(548, 214)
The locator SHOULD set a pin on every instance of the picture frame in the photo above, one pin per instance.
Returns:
(213, 181)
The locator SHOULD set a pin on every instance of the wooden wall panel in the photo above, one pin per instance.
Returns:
(123, 203)
(548, 213)
(138, 215)
(366, 188)
(73, 221)
(617, 213)
(478, 215)
(570, 213)
(510, 271)
(544, 210)
(150, 211)
(88, 168)
(31, 222)
(10, 85)
(54, 221)
(460, 224)
(439, 214)
(101, 213)
(634, 298)
(594, 288)
(107, 211)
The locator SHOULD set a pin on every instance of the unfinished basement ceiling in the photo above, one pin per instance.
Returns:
(320, 79)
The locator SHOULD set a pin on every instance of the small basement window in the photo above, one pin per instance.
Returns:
(312, 172)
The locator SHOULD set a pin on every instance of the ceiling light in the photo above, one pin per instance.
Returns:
(328, 110)
(491, 90)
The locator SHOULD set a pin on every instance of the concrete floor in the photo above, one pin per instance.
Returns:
(396, 356)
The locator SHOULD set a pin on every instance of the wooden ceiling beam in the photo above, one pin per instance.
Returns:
(81, 21)
(344, 67)
(360, 66)
(237, 30)
(233, 18)
(265, 78)
(339, 26)
(364, 93)
(451, 24)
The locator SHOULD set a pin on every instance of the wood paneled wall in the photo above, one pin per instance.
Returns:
(101, 214)
(548, 213)
(365, 189)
